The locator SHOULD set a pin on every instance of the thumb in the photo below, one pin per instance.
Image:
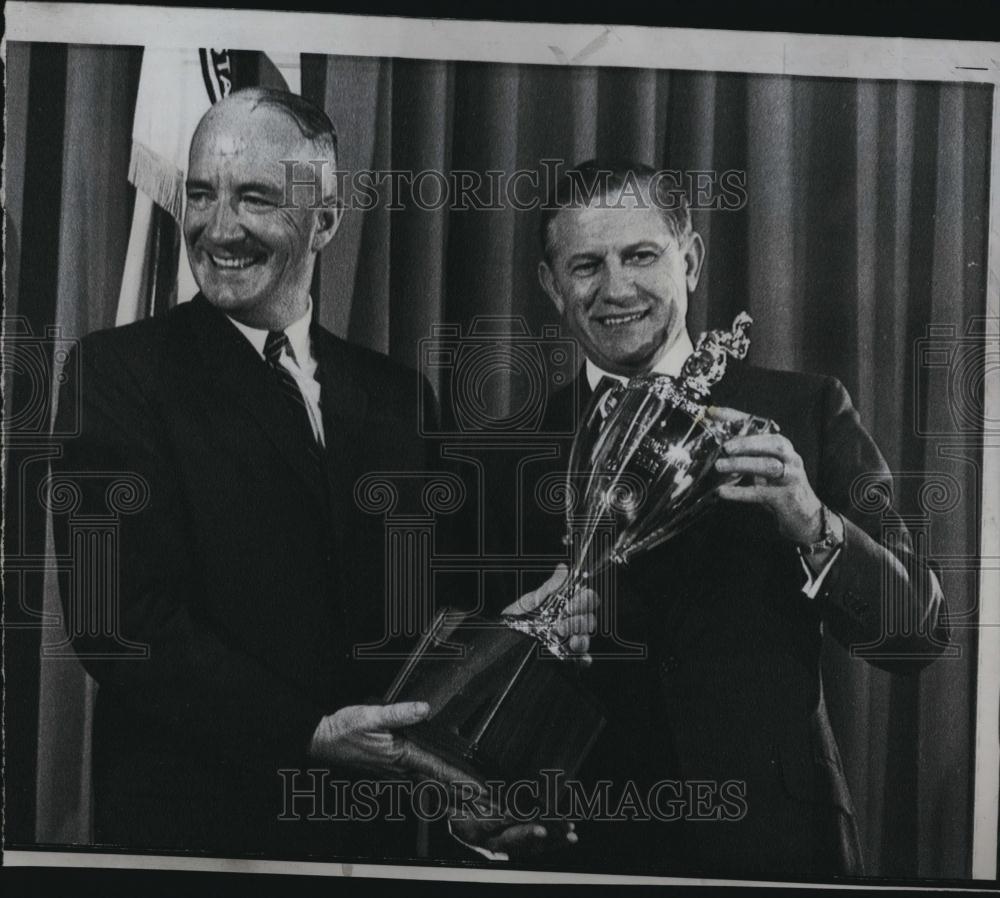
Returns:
(556, 579)
(531, 600)
(401, 714)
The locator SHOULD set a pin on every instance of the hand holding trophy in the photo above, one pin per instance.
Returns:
(651, 468)
(643, 458)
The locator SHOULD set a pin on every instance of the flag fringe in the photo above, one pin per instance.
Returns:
(158, 178)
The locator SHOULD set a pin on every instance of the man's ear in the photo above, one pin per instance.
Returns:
(548, 281)
(694, 257)
(329, 219)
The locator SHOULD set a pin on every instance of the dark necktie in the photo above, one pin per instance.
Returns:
(274, 345)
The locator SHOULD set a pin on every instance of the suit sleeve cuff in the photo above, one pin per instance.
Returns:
(814, 582)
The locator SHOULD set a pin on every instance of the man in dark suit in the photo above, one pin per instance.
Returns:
(731, 611)
(246, 568)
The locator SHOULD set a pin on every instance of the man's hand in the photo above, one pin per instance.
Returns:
(363, 737)
(580, 619)
(507, 839)
(780, 481)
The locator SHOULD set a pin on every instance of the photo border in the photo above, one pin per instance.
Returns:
(832, 56)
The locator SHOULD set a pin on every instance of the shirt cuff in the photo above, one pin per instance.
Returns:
(485, 852)
(814, 582)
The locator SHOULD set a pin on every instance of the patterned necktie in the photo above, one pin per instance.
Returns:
(275, 344)
(594, 423)
(603, 389)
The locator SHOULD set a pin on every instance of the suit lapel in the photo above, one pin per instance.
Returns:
(728, 392)
(345, 403)
(566, 406)
(232, 365)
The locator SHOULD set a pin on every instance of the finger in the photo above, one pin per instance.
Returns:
(578, 646)
(578, 625)
(427, 765)
(584, 601)
(773, 444)
(531, 600)
(349, 719)
(528, 602)
(519, 840)
(557, 829)
(721, 413)
(379, 737)
(390, 717)
(749, 494)
(532, 838)
(576, 643)
(766, 466)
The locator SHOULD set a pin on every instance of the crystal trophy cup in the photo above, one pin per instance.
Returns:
(643, 459)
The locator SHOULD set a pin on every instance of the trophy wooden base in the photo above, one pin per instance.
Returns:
(501, 706)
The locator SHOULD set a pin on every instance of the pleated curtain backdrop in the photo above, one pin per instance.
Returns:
(865, 222)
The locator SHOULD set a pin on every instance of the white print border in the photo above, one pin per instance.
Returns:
(495, 873)
(832, 56)
(986, 771)
(629, 46)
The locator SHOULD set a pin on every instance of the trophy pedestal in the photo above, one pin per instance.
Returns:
(502, 707)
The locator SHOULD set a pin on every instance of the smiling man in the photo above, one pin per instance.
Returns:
(727, 699)
(252, 242)
(621, 281)
(244, 568)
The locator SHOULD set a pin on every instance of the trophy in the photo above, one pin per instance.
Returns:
(643, 459)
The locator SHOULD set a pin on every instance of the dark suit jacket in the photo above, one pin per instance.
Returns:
(730, 689)
(250, 574)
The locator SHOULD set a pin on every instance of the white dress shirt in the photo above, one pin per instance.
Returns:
(671, 363)
(301, 364)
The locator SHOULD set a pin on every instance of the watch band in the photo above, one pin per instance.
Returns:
(828, 538)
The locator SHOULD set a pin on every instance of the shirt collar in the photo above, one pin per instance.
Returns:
(297, 331)
(670, 363)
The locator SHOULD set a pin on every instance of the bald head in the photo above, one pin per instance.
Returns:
(253, 110)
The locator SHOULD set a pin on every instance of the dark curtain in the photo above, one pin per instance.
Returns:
(865, 222)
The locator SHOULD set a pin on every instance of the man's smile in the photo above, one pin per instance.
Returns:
(621, 319)
(235, 262)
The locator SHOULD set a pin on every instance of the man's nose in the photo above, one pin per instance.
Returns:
(224, 224)
(619, 285)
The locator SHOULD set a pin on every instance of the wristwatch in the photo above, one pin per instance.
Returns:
(828, 541)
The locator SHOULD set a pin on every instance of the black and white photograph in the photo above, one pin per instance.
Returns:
(499, 451)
